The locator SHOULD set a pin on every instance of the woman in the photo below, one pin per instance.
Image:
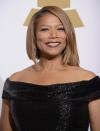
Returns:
(55, 93)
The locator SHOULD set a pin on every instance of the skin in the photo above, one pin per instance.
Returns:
(50, 32)
(50, 69)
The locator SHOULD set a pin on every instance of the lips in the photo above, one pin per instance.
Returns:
(53, 44)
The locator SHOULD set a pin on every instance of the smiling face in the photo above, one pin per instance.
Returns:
(50, 36)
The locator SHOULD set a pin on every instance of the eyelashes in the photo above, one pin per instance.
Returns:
(44, 29)
(61, 29)
(47, 29)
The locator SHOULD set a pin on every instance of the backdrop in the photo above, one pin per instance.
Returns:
(13, 55)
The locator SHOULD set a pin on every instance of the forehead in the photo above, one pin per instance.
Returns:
(48, 19)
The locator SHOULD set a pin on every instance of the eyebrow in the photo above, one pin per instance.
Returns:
(50, 25)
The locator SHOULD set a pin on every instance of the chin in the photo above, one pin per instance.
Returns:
(51, 56)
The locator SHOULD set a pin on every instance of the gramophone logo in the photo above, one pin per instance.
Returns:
(64, 4)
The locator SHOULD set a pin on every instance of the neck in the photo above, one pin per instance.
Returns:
(50, 64)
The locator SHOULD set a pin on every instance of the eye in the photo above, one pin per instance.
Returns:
(44, 29)
(61, 28)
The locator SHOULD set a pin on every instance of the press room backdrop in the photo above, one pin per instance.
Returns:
(13, 15)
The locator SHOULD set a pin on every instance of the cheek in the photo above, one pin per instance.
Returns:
(41, 36)
(40, 40)
(62, 36)
(64, 39)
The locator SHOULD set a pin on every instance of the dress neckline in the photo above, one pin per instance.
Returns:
(73, 83)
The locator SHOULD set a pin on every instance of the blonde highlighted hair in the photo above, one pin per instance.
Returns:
(70, 54)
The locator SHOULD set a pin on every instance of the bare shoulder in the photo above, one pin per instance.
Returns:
(84, 73)
(20, 75)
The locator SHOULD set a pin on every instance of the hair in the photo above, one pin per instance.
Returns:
(70, 54)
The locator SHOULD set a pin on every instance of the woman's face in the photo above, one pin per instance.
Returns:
(50, 36)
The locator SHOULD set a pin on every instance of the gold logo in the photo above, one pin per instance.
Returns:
(72, 13)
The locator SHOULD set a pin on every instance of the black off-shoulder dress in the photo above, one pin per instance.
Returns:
(55, 107)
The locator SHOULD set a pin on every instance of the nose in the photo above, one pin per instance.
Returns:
(53, 33)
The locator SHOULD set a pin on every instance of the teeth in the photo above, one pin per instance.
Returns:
(53, 44)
